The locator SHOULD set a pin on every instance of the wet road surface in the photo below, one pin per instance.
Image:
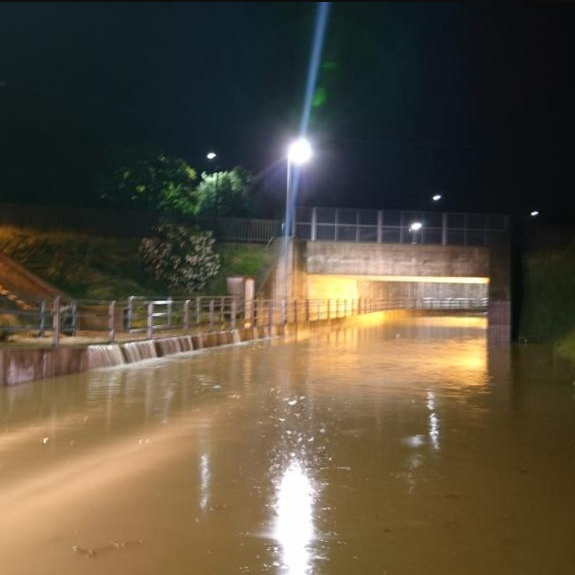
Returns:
(409, 448)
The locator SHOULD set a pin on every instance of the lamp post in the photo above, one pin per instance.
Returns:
(299, 153)
(415, 227)
(211, 156)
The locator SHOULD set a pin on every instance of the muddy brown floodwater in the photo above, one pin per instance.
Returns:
(409, 448)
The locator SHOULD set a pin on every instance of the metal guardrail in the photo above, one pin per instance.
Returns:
(394, 226)
(95, 321)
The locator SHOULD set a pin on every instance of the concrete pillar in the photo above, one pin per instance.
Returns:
(499, 307)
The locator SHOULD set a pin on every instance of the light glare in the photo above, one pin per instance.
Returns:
(300, 151)
(415, 226)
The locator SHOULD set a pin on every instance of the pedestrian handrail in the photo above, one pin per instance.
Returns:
(141, 317)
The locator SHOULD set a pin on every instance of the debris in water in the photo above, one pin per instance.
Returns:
(114, 545)
(292, 402)
(45, 441)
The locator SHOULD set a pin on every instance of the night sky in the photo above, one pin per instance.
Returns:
(472, 101)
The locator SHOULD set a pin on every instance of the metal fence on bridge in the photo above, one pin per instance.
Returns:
(394, 226)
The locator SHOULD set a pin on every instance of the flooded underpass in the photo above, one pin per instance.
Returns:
(408, 448)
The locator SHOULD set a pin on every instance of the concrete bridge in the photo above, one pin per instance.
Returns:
(440, 262)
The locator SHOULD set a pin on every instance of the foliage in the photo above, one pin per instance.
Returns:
(548, 307)
(224, 193)
(180, 257)
(95, 267)
(82, 265)
(565, 347)
(152, 180)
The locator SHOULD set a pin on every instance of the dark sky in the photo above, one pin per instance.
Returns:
(475, 101)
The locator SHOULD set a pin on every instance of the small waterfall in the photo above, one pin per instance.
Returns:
(138, 350)
(104, 356)
(236, 336)
(168, 346)
(186, 343)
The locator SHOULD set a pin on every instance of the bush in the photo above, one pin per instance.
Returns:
(181, 257)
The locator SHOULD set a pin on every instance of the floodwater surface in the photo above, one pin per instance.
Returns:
(409, 448)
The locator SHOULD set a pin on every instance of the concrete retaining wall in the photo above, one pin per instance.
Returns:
(353, 258)
(19, 365)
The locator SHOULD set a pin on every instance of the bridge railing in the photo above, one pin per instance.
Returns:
(140, 318)
(402, 227)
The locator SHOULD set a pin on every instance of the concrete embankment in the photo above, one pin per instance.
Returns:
(20, 365)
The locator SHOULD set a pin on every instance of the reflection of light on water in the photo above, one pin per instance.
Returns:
(204, 480)
(294, 529)
(433, 420)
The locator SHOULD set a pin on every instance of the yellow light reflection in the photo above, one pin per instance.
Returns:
(323, 287)
(294, 528)
(345, 280)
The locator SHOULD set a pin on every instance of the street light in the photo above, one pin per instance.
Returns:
(415, 226)
(437, 197)
(211, 156)
(534, 213)
(299, 152)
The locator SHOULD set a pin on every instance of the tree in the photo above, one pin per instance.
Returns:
(180, 256)
(152, 180)
(224, 193)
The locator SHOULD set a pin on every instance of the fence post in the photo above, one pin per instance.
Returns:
(284, 311)
(295, 311)
(42, 329)
(233, 313)
(130, 313)
(328, 309)
(444, 229)
(222, 312)
(56, 322)
(198, 310)
(150, 320)
(74, 326)
(379, 226)
(186, 314)
(169, 312)
(111, 326)
(270, 315)
(307, 310)
(313, 224)
(211, 315)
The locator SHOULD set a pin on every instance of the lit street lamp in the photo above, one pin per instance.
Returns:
(415, 227)
(299, 152)
(534, 213)
(437, 197)
(211, 156)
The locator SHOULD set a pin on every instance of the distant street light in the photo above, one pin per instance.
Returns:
(437, 197)
(534, 213)
(415, 227)
(211, 156)
(299, 152)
